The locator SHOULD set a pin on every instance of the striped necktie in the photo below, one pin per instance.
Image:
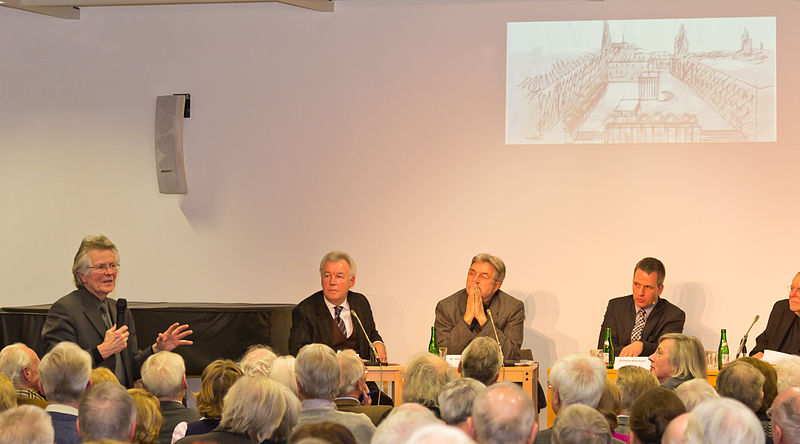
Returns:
(338, 318)
(636, 333)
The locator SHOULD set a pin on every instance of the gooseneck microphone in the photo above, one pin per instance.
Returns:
(742, 343)
(489, 312)
(122, 306)
(371, 344)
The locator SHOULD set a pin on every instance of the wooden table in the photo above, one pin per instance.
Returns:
(388, 374)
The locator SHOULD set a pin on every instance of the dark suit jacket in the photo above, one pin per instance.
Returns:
(219, 436)
(75, 318)
(65, 428)
(311, 323)
(774, 335)
(455, 334)
(375, 412)
(174, 413)
(620, 314)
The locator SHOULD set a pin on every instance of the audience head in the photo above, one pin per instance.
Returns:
(723, 420)
(678, 356)
(610, 404)
(577, 379)
(693, 392)
(100, 375)
(632, 381)
(64, 372)
(439, 434)
(164, 375)
(254, 406)
(328, 432)
(283, 372)
(456, 400)
(743, 382)
(788, 372)
(8, 397)
(580, 424)
(148, 417)
(21, 364)
(26, 424)
(425, 377)
(482, 360)
(317, 372)
(217, 379)
(650, 414)
(503, 414)
(257, 360)
(107, 411)
(785, 412)
(290, 416)
(770, 387)
(402, 422)
(82, 262)
(353, 377)
(676, 429)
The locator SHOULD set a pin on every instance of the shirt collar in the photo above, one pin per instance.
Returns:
(317, 404)
(62, 408)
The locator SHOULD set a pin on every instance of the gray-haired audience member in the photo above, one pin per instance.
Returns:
(251, 412)
(164, 375)
(676, 429)
(353, 394)
(21, 364)
(580, 424)
(691, 393)
(107, 411)
(439, 434)
(503, 414)
(482, 360)
(317, 371)
(283, 372)
(402, 422)
(742, 382)
(785, 412)
(257, 360)
(456, 401)
(290, 416)
(26, 424)
(723, 420)
(425, 377)
(788, 370)
(64, 374)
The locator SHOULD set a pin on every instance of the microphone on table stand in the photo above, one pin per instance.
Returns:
(491, 319)
(371, 347)
(743, 343)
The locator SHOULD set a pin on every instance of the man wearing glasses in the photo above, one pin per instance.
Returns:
(88, 317)
(783, 328)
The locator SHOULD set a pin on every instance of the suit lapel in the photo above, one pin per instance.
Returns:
(653, 320)
(323, 313)
(91, 312)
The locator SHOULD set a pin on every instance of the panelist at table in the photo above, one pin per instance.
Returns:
(464, 315)
(325, 317)
(88, 317)
(783, 328)
(639, 319)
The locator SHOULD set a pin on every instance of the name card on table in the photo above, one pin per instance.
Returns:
(453, 360)
(638, 361)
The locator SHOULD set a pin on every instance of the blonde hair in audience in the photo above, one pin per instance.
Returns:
(632, 381)
(687, 356)
(148, 417)
(218, 377)
(103, 374)
(610, 404)
(8, 396)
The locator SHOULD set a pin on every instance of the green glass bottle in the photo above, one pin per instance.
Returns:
(433, 346)
(608, 350)
(723, 354)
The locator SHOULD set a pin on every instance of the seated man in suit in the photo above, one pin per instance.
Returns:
(783, 328)
(639, 319)
(20, 363)
(326, 317)
(164, 375)
(64, 375)
(88, 317)
(464, 315)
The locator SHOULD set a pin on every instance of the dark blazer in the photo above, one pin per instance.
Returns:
(620, 313)
(375, 412)
(774, 335)
(75, 318)
(174, 413)
(218, 436)
(65, 428)
(311, 323)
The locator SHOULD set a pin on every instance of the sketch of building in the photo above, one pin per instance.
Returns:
(622, 92)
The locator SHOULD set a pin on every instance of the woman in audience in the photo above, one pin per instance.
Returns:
(632, 381)
(8, 396)
(283, 372)
(651, 413)
(329, 432)
(102, 374)
(148, 417)
(678, 359)
(609, 406)
(216, 380)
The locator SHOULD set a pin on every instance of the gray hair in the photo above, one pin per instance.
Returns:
(65, 371)
(13, 359)
(495, 262)
(290, 416)
(785, 414)
(336, 256)
(253, 406)
(632, 381)
(317, 372)
(579, 379)
(257, 360)
(693, 392)
(788, 370)
(163, 374)
(743, 382)
(425, 377)
(503, 414)
(482, 360)
(580, 424)
(26, 424)
(283, 372)
(352, 371)
(401, 423)
(457, 399)
(687, 356)
(107, 411)
(81, 263)
(723, 420)
(439, 434)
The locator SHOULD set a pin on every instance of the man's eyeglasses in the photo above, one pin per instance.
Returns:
(113, 266)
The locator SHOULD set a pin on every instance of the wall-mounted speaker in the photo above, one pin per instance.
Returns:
(170, 168)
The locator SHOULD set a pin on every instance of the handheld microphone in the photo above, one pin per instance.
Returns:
(743, 342)
(371, 345)
(122, 305)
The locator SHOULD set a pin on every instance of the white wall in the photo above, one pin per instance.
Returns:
(376, 129)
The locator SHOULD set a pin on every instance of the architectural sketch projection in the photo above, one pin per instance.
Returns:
(641, 81)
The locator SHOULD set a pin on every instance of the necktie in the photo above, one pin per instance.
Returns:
(638, 326)
(104, 315)
(338, 318)
(119, 369)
